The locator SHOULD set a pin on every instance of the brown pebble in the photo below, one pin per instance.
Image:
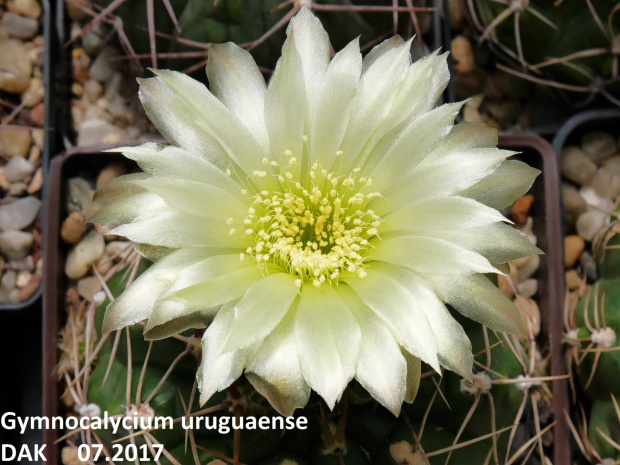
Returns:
(573, 247)
(73, 228)
(521, 208)
(463, 54)
(530, 313)
(4, 182)
(37, 182)
(111, 171)
(573, 281)
(37, 114)
(504, 285)
(30, 288)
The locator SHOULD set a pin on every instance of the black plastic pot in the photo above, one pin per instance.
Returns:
(538, 153)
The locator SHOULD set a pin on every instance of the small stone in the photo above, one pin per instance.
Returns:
(104, 65)
(18, 189)
(77, 89)
(23, 278)
(18, 26)
(14, 295)
(92, 41)
(77, 10)
(18, 169)
(38, 137)
(73, 228)
(576, 165)
(118, 250)
(598, 145)
(37, 114)
(80, 194)
(530, 313)
(458, 17)
(34, 93)
(84, 254)
(589, 265)
(26, 291)
(36, 183)
(4, 182)
(528, 288)
(574, 204)
(505, 112)
(573, 281)
(98, 131)
(104, 264)
(593, 199)
(463, 54)
(111, 171)
(15, 244)
(8, 280)
(573, 247)
(30, 8)
(14, 142)
(613, 165)
(19, 214)
(528, 268)
(88, 287)
(471, 109)
(16, 67)
(590, 222)
(606, 184)
(92, 90)
(504, 284)
(521, 208)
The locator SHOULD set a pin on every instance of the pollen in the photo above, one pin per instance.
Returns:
(316, 228)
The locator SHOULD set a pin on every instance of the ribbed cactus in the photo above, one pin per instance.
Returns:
(597, 323)
(569, 46)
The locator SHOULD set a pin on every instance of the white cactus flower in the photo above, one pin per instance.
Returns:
(317, 226)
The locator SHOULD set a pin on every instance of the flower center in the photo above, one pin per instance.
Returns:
(314, 232)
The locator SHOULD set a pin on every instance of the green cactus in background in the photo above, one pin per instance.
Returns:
(176, 34)
(597, 323)
(570, 46)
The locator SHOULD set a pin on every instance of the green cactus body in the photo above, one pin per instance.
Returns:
(598, 318)
(573, 47)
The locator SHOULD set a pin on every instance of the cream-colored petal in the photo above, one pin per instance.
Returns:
(237, 82)
(118, 188)
(333, 103)
(381, 368)
(312, 44)
(498, 242)
(453, 345)
(446, 175)
(401, 313)
(477, 298)
(285, 108)
(373, 101)
(131, 207)
(174, 119)
(428, 255)
(275, 371)
(136, 302)
(414, 372)
(328, 341)
(261, 309)
(174, 162)
(509, 181)
(429, 73)
(217, 120)
(217, 371)
(440, 214)
(197, 198)
(175, 229)
(379, 50)
(170, 318)
(396, 156)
